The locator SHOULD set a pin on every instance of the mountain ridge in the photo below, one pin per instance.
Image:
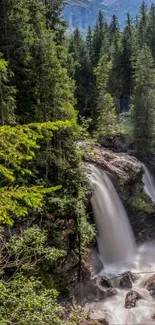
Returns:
(82, 13)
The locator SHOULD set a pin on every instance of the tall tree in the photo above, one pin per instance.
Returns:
(142, 24)
(7, 95)
(105, 114)
(150, 33)
(83, 69)
(127, 45)
(98, 38)
(37, 61)
(144, 101)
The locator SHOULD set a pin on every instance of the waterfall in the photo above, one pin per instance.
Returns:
(149, 183)
(115, 237)
(116, 245)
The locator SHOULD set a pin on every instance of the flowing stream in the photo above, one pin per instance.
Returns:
(149, 183)
(119, 253)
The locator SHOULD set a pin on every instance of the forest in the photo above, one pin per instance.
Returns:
(58, 89)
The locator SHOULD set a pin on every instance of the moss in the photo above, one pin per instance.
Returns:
(141, 203)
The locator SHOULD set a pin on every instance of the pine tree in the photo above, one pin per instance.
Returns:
(114, 30)
(7, 95)
(98, 38)
(150, 32)
(54, 19)
(142, 24)
(105, 115)
(127, 46)
(89, 42)
(39, 64)
(83, 72)
(144, 101)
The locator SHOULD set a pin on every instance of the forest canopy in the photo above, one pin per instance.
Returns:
(56, 89)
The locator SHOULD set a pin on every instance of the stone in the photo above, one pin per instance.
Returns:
(111, 292)
(126, 280)
(87, 292)
(124, 168)
(105, 282)
(101, 321)
(151, 284)
(131, 299)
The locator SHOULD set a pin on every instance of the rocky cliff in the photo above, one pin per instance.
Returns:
(126, 173)
(82, 13)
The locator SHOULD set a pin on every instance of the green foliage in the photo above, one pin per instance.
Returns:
(86, 230)
(141, 204)
(7, 95)
(106, 112)
(144, 101)
(124, 124)
(17, 202)
(27, 252)
(26, 302)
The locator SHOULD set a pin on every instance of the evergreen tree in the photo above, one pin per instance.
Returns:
(98, 38)
(105, 115)
(127, 46)
(44, 89)
(83, 72)
(151, 30)
(142, 24)
(7, 95)
(114, 31)
(89, 42)
(54, 19)
(144, 101)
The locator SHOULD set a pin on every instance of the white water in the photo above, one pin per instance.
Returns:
(116, 247)
(149, 183)
(115, 237)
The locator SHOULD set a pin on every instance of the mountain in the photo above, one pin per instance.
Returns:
(82, 13)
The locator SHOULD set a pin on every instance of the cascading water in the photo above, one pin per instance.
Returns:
(115, 237)
(149, 183)
(116, 246)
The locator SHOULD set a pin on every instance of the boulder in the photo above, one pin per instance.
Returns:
(124, 168)
(126, 280)
(151, 286)
(126, 173)
(90, 291)
(111, 292)
(104, 282)
(131, 298)
(102, 321)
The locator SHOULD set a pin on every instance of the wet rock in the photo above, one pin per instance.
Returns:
(111, 292)
(87, 292)
(90, 291)
(105, 282)
(131, 298)
(124, 168)
(126, 280)
(151, 286)
(102, 321)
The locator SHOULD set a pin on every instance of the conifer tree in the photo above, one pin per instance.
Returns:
(142, 24)
(127, 45)
(114, 30)
(144, 101)
(151, 29)
(44, 89)
(98, 38)
(7, 95)
(89, 42)
(105, 115)
(83, 72)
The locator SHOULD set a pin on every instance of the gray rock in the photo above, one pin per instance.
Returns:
(131, 299)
